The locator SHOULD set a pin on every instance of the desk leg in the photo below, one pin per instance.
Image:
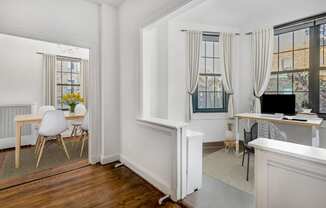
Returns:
(315, 137)
(18, 144)
(237, 135)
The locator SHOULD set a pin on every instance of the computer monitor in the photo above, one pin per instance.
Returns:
(278, 103)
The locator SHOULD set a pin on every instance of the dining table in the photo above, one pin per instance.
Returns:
(27, 119)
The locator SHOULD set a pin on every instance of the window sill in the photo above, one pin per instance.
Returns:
(209, 116)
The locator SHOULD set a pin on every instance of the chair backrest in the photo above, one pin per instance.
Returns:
(80, 108)
(84, 125)
(252, 135)
(45, 108)
(53, 123)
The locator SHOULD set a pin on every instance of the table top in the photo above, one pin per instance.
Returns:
(279, 119)
(37, 117)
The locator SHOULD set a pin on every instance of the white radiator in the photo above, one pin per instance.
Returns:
(7, 124)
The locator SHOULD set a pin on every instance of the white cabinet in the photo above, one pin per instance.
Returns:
(194, 160)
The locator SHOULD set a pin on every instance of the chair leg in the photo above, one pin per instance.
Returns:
(37, 144)
(243, 156)
(64, 147)
(43, 141)
(73, 131)
(248, 166)
(83, 144)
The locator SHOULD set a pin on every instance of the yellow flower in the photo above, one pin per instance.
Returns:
(72, 98)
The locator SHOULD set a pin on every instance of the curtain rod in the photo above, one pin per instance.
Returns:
(249, 33)
(41, 53)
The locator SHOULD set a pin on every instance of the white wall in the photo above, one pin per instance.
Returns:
(148, 149)
(155, 63)
(110, 88)
(74, 22)
(22, 67)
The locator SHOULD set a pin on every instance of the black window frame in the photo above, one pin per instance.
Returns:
(313, 23)
(196, 109)
(60, 60)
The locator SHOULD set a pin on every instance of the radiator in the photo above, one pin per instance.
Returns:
(7, 120)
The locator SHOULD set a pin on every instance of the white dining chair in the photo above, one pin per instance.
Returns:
(80, 109)
(52, 125)
(84, 134)
(41, 111)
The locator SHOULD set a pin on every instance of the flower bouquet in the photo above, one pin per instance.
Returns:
(72, 99)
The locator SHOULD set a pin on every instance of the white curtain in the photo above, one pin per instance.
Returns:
(84, 69)
(226, 41)
(261, 55)
(193, 45)
(49, 70)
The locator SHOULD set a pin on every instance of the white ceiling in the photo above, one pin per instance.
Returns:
(239, 12)
(111, 2)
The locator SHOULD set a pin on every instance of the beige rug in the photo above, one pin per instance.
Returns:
(53, 156)
(227, 168)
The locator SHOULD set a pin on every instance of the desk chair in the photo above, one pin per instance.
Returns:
(52, 125)
(248, 137)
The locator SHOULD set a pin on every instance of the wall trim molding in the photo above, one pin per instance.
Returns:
(146, 175)
(106, 159)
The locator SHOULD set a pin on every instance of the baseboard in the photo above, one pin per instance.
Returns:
(10, 142)
(147, 175)
(109, 159)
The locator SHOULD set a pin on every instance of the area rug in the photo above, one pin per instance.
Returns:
(53, 156)
(226, 167)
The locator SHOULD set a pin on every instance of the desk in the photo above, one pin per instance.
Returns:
(22, 120)
(313, 123)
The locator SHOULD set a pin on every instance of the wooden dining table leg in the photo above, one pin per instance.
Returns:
(18, 145)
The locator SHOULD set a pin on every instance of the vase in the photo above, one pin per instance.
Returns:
(72, 107)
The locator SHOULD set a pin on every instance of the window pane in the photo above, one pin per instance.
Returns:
(301, 97)
(58, 102)
(218, 83)
(210, 99)
(202, 83)
(209, 49)
(301, 81)
(203, 48)
(58, 75)
(76, 89)
(66, 66)
(322, 94)
(66, 78)
(201, 100)
(301, 39)
(66, 89)
(285, 83)
(202, 65)
(209, 65)
(59, 92)
(286, 43)
(216, 50)
(210, 83)
(323, 56)
(301, 59)
(217, 66)
(285, 61)
(275, 63)
(218, 100)
(76, 67)
(75, 78)
(272, 85)
(275, 44)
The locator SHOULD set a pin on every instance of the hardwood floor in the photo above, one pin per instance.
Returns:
(90, 186)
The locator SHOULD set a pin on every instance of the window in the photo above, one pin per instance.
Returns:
(210, 95)
(67, 79)
(299, 63)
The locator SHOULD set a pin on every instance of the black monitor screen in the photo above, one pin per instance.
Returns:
(278, 104)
